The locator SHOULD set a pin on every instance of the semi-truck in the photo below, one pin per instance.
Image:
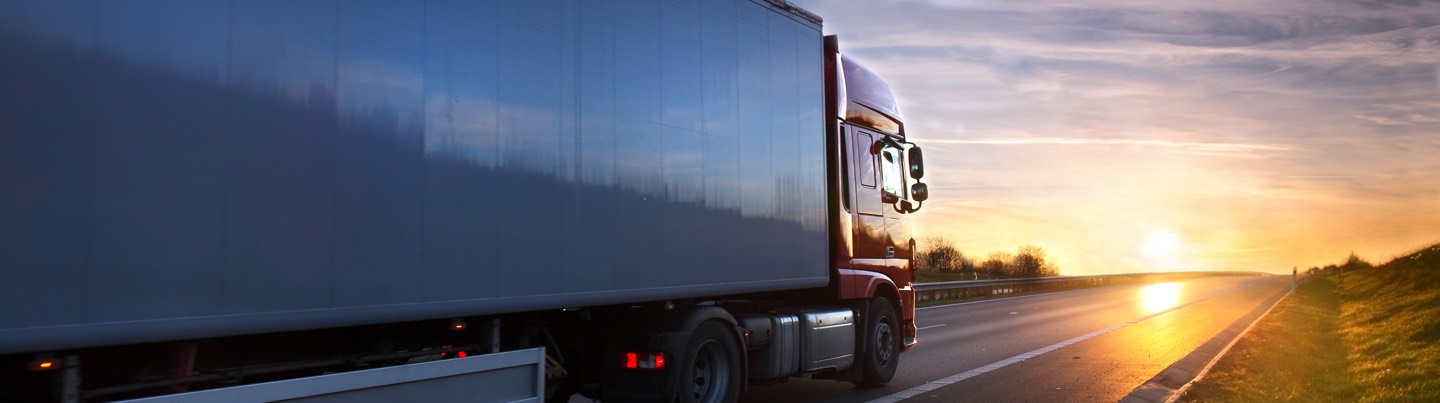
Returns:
(351, 200)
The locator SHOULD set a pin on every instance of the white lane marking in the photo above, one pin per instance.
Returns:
(932, 326)
(946, 381)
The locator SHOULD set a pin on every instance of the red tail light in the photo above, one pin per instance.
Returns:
(645, 360)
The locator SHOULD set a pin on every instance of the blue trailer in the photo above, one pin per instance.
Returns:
(202, 194)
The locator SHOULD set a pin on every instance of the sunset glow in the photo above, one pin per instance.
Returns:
(1129, 136)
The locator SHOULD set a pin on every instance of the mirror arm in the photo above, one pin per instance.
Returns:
(907, 210)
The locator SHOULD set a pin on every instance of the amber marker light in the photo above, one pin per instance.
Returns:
(44, 364)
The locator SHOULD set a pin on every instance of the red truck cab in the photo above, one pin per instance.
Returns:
(876, 174)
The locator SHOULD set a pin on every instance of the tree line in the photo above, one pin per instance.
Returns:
(935, 253)
(1352, 263)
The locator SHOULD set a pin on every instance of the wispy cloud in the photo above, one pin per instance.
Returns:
(1380, 120)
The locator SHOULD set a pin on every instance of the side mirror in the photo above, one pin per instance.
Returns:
(919, 192)
(917, 163)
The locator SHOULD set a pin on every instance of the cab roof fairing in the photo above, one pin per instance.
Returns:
(864, 87)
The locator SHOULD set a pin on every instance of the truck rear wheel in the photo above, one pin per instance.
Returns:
(882, 347)
(711, 370)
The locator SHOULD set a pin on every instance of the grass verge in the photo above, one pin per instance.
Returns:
(1274, 362)
(1369, 335)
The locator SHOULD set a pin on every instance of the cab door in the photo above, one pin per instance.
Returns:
(871, 239)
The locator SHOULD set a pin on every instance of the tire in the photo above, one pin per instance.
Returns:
(882, 344)
(711, 371)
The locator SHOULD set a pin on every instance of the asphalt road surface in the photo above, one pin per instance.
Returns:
(1093, 345)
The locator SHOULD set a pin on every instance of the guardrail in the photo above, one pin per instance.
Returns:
(958, 290)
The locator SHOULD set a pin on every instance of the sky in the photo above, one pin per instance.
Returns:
(1137, 135)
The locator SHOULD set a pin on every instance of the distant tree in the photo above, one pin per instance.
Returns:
(939, 254)
(997, 265)
(934, 253)
(1029, 261)
(965, 264)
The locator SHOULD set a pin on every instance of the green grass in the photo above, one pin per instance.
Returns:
(1369, 335)
(1294, 354)
(1392, 317)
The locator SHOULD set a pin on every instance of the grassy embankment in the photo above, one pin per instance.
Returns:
(1369, 335)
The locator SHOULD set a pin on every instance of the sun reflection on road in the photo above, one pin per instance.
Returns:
(1159, 297)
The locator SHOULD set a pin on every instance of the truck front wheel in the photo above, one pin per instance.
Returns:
(711, 371)
(882, 347)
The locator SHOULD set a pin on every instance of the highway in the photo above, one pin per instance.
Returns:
(1091, 345)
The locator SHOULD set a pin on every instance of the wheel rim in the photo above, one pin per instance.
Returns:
(711, 374)
(884, 343)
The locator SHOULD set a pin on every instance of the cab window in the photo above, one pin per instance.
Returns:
(892, 177)
(864, 160)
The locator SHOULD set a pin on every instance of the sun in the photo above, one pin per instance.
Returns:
(1162, 249)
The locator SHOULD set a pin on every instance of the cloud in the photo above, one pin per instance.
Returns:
(1380, 120)
(1256, 123)
(1188, 28)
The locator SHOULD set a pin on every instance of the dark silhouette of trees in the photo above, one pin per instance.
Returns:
(997, 265)
(1352, 263)
(938, 254)
(1029, 261)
